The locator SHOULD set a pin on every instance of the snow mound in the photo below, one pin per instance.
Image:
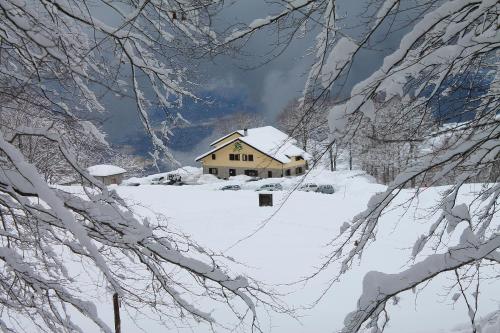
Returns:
(208, 179)
(240, 178)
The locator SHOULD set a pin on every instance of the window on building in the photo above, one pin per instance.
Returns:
(269, 174)
(244, 157)
(236, 157)
(251, 173)
(298, 170)
(298, 158)
(213, 156)
(250, 157)
(231, 157)
(213, 171)
(287, 172)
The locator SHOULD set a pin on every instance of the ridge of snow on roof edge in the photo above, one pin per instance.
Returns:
(226, 136)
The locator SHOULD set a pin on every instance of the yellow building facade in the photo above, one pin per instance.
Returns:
(262, 152)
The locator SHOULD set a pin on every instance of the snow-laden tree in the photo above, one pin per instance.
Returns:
(449, 50)
(84, 139)
(57, 59)
(72, 52)
(136, 166)
(392, 139)
(310, 129)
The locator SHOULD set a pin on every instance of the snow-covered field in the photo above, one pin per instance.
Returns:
(293, 240)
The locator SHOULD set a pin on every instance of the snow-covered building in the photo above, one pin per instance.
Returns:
(264, 152)
(108, 174)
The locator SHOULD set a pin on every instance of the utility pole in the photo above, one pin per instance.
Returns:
(116, 309)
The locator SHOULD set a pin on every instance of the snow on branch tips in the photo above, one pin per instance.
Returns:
(57, 60)
(394, 128)
(45, 229)
(76, 53)
(378, 287)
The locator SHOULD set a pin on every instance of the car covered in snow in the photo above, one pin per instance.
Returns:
(309, 187)
(270, 187)
(157, 180)
(231, 188)
(326, 189)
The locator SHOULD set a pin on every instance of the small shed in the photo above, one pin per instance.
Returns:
(107, 173)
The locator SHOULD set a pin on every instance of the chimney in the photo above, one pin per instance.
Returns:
(245, 132)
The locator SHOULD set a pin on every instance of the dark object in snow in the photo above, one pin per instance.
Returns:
(265, 199)
(174, 179)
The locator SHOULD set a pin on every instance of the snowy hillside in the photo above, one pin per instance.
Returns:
(292, 239)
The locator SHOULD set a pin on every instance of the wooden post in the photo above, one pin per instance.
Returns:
(350, 157)
(116, 308)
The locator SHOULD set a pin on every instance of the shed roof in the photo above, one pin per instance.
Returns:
(103, 170)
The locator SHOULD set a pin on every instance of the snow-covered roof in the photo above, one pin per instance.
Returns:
(226, 136)
(269, 141)
(103, 170)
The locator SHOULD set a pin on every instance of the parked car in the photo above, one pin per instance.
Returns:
(309, 187)
(174, 179)
(270, 187)
(231, 188)
(157, 181)
(327, 189)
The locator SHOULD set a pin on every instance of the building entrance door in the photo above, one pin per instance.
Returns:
(232, 172)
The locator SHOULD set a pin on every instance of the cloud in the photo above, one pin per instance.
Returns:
(269, 87)
(280, 87)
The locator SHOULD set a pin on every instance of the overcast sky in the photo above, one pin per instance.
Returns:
(265, 89)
